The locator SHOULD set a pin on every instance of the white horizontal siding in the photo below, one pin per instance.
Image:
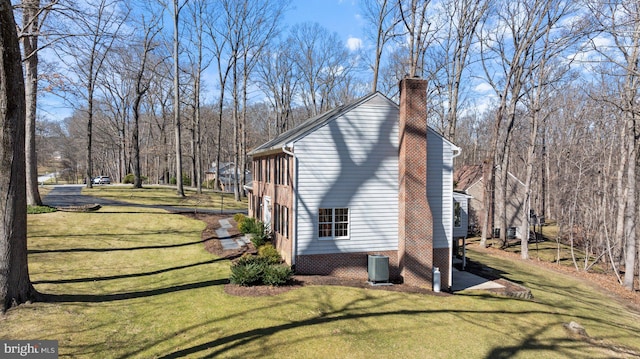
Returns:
(440, 188)
(351, 162)
(464, 215)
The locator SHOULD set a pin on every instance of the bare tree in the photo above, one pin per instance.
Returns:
(262, 19)
(151, 28)
(15, 285)
(197, 10)
(620, 22)
(384, 16)
(95, 30)
(322, 62)
(510, 50)
(419, 31)
(33, 14)
(177, 7)
(461, 21)
(276, 75)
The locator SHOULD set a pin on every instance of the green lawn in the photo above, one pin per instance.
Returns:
(128, 282)
(166, 196)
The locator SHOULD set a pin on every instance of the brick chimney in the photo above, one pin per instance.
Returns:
(415, 222)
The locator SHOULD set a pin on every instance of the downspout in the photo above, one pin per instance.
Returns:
(294, 216)
(457, 151)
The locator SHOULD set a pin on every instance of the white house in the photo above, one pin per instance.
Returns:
(366, 178)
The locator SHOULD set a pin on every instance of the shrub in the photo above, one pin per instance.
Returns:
(255, 270)
(40, 209)
(270, 253)
(130, 179)
(259, 240)
(249, 225)
(259, 234)
(239, 218)
(246, 274)
(276, 274)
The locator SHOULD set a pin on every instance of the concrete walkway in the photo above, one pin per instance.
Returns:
(468, 281)
(223, 235)
(228, 242)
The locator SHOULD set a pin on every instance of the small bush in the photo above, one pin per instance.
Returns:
(131, 178)
(246, 274)
(259, 240)
(270, 253)
(249, 225)
(276, 274)
(255, 270)
(239, 218)
(40, 209)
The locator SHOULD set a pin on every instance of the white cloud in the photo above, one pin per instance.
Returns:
(482, 87)
(354, 43)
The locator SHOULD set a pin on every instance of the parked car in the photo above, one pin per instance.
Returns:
(102, 180)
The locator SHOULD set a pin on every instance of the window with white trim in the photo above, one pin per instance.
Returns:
(333, 223)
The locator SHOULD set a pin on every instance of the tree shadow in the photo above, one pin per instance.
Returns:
(101, 298)
(131, 275)
(72, 250)
(225, 344)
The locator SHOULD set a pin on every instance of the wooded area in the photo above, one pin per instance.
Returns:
(544, 89)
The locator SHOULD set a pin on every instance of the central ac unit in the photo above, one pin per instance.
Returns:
(378, 268)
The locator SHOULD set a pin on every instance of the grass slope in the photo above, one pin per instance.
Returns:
(129, 283)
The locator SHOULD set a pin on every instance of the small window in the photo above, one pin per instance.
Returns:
(268, 170)
(333, 223)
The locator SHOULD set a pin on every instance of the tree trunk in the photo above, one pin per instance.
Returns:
(630, 213)
(31, 25)
(135, 141)
(176, 100)
(15, 285)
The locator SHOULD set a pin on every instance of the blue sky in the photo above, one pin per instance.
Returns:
(340, 16)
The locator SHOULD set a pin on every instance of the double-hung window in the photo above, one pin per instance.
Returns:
(333, 223)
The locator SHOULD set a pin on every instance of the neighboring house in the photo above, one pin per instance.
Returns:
(460, 214)
(469, 179)
(369, 177)
(227, 174)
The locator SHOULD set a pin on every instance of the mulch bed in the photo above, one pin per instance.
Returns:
(212, 244)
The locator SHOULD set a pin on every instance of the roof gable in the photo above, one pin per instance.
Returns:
(313, 123)
(467, 176)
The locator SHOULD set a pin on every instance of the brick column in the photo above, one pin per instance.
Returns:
(415, 222)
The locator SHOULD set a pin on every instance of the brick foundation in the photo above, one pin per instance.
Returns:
(442, 260)
(345, 265)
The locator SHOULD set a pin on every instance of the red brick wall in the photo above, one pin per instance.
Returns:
(415, 222)
(346, 265)
(442, 260)
(280, 194)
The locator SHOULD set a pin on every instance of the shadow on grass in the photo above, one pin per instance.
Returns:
(101, 298)
(71, 250)
(122, 276)
(225, 344)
